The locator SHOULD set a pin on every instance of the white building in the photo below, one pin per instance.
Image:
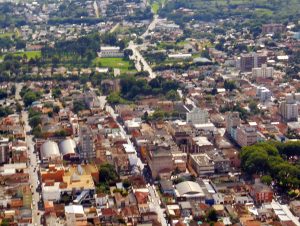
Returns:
(263, 72)
(263, 93)
(197, 116)
(289, 108)
(75, 215)
(180, 56)
(110, 51)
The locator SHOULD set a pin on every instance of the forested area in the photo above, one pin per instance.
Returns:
(253, 13)
(275, 160)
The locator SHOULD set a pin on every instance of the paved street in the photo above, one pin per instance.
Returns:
(155, 200)
(33, 163)
(137, 57)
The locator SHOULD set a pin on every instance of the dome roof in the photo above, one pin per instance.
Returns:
(49, 149)
(67, 147)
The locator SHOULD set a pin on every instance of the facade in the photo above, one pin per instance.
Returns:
(86, 149)
(263, 93)
(232, 120)
(289, 109)
(75, 215)
(110, 51)
(252, 60)
(273, 28)
(263, 72)
(161, 163)
(261, 193)
(246, 135)
(197, 116)
(202, 164)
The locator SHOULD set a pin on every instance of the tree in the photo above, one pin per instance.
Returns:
(19, 107)
(266, 179)
(253, 108)
(212, 216)
(172, 95)
(29, 98)
(229, 85)
(127, 54)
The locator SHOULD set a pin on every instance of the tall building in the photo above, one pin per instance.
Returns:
(289, 110)
(86, 149)
(263, 72)
(197, 116)
(263, 93)
(246, 135)
(252, 60)
(273, 28)
(232, 121)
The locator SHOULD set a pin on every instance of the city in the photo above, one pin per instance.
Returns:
(163, 113)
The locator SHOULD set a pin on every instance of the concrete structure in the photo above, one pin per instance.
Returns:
(189, 190)
(263, 72)
(232, 120)
(75, 215)
(67, 147)
(86, 148)
(202, 164)
(161, 163)
(246, 135)
(252, 60)
(49, 150)
(110, 51)
(263, 93)
(197, 116)
(273, 28)
(289, 109)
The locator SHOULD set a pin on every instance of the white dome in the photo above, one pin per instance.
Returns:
(67, 147)
(49, 149)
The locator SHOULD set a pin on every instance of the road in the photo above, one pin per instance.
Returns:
(155, 199)
(137, 56)
(96, 9)
(33, 162)
(32, 170)
(155, 205)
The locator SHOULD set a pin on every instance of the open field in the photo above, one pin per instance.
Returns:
(123, 65)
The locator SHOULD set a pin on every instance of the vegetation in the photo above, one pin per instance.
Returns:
(107, 176)
(29, 96)
(252, 12)
(274, 160)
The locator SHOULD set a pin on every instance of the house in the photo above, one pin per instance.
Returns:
(261, 193)
(166, 187)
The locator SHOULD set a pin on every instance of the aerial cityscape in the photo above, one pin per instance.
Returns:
(150, 112)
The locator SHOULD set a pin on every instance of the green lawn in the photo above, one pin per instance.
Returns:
(123, 65)
(6, 35)
(155, 7)
(29, 54)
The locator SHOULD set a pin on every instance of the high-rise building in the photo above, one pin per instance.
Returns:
(197, 116)
(273, 28)
(263, 93)
(86, 150)
(263, 72)
(252, 60)
(289, 110)
(246, 135)
(232, 121)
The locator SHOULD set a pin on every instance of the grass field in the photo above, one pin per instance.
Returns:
(155, 7)
(7, 34)
(120, 63)
(29, 54)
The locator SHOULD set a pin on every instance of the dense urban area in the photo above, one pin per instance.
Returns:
(150, 112)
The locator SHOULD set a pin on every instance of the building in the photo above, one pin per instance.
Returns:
(263, 93)
(246, 135)
(189, 190)
(110, 51)
(263, 72)
(49, 151)
(197, 116)
(75, 215)
(202, 164)
(289, 108)
(272, 28)
(261, 193)
(252, 60)
(232, 121)
(161, 163)
(86, 148)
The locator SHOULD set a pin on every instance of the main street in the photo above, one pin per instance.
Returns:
(33, 162)
(155, 199)
(137, 56)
